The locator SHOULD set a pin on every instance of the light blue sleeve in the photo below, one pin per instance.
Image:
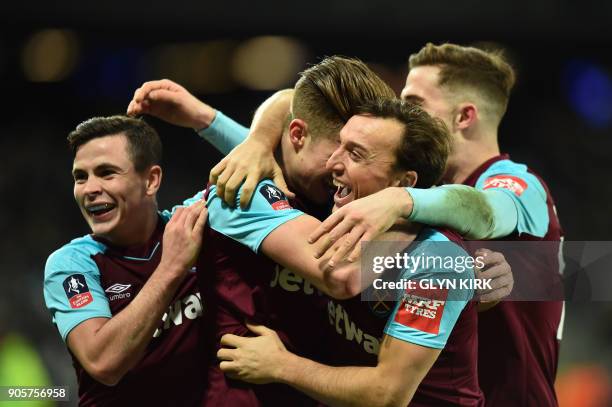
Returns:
(525, 190)
(475, 214)
(167, 214)
(73, 260)
(224, 133)
(422, 317)
(268, 210)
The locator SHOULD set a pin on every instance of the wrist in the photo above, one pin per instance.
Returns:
(171, 271)
(204, 117)
(403, 201)
(261, 137)
(288, 367)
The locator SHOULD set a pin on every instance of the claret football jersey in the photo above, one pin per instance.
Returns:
(90, 278)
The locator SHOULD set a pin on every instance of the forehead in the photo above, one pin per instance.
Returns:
(422, 81)
(111, 149)
(372, 133)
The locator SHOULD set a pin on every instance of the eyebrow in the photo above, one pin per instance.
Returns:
(352, 144)
(99, 167)
(414, 99)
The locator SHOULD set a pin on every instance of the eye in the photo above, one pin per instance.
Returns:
(79, 178)
(354, 155)
(107, 173)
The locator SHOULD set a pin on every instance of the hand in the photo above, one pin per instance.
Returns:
(251, 160)
(171, 102)
(183, 237)
(361, 220)
(497, 269)
(257, 360)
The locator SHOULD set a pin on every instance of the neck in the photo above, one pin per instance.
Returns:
(142, 231)
(283, 157)
(468, 154)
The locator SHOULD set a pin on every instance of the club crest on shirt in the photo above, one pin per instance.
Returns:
(275, 197)
(77, 291)
(422, 309)
(380, 302)
(509, 182)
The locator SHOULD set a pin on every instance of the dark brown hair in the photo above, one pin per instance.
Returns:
(144, 145)
(328, 93)
(425, 143)
(486, 72)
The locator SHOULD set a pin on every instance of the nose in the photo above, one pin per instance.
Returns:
(334, 163)
(92, 186)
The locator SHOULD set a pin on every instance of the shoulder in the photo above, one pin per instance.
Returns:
(441, 239)
(512, 176)
(74, 256)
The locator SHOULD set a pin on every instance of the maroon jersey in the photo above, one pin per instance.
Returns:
(355, 329)
(169, 373)
(243, 286)
(518, 345)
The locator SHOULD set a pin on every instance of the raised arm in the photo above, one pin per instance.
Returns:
(172, 103)
(108, 347)
(253, 160)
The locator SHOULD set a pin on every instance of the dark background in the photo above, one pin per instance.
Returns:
(559, 120)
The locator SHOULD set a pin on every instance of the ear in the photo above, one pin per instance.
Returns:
(153, 181)
(406, 179)
(298, 131)
(467, 115)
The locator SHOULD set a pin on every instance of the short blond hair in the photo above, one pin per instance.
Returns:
(329, 93)
(485, 72)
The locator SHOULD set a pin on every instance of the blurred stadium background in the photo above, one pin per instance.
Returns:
(63, 62)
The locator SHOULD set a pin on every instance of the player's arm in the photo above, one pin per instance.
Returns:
(475, 214)
(172, 103)
(269, 225)
(254, 160)
(392, 382)
(108, 348)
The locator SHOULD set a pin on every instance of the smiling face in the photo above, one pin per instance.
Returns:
(365, 161)
(115, 199)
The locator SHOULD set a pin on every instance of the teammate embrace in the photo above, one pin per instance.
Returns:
(274, 299)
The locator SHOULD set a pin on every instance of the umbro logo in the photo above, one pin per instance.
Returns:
(117, 288)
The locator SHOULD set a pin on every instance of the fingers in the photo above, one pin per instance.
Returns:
(260, 330)
(201, 222)
(496, 295)
(143, 91)
(223, 178)
(233, 185)
(500, 288)
(248, 189)
(325, 227)
(232, 340)
(348, 244)
(493, 271)
(178, 217)
(490, 258)
(226, 354)
(356, 253)
(228, 366)
(216, 171)
(279, 181)
(192, 214)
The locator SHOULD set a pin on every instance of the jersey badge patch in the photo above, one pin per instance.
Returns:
(509, 182)
(77, 291)
(422, 309)
(275, 197)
